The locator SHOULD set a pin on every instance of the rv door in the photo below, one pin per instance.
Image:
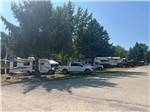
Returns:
(44, 66)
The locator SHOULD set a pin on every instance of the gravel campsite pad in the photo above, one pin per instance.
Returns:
(125, 90)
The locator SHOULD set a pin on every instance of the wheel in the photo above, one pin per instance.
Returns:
(99, 68)
(65, 71)
(51, 72)
(87, 71)
(28, 73)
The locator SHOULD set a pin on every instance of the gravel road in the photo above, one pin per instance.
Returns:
(125, 90)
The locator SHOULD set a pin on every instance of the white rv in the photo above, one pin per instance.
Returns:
(28, 66)
(98, 61)
(115, 60)
(107, 61)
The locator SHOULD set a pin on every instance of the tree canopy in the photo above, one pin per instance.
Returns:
(91, 39)
(139, 52)
(120, 51)
(45, 31)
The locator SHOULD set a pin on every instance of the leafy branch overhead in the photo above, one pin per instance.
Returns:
(59, 32)
(45, 30)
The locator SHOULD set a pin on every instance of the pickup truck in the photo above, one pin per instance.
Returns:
(76, 67)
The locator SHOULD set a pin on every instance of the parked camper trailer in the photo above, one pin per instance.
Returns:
(28, 66)
(114, 61)
(98, 61)
(107, 61)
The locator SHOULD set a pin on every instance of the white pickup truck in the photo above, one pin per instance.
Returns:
(76, 67)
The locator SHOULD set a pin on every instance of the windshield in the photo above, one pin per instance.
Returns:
(76, 64)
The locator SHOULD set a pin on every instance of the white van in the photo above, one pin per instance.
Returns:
(28, 66)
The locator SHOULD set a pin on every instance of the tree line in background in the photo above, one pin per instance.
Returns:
(60, 32)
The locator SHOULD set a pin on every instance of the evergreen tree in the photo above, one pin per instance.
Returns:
(138, 52)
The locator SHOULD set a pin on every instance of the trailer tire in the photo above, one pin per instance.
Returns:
(51, 72)
(100, 68)
(29, 73)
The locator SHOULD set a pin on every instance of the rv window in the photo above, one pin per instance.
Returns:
(26, 63)
(75, 64)
(15, 64)
(33, 62)
(33, 66)
(96, 63)
(42, 63)
(104, 60)
(116, 59)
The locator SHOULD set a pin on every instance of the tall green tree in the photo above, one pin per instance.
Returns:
(147, 56)
(91, 39)
(82, 19)
(45, 31)
(4, 44)
(32, 34)
(120, 51)
(138, 52)
(7, 47)
(62, 32)
(10, 39)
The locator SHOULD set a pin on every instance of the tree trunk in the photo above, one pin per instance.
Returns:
(37, 72)
(92, 60)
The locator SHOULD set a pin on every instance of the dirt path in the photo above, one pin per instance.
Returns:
(127, 90)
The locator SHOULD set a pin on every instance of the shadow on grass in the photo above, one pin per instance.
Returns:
(97, 80)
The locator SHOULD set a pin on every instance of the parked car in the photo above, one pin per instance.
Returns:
(122, 64)
(76, 67)
(133, 63)
(140, 63)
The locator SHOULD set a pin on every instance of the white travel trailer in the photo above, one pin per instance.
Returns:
(28, 66)
(115, 60)
(102, 60)
(21, 65)
(107, 61)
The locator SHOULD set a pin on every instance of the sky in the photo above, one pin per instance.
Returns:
(126, 22)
